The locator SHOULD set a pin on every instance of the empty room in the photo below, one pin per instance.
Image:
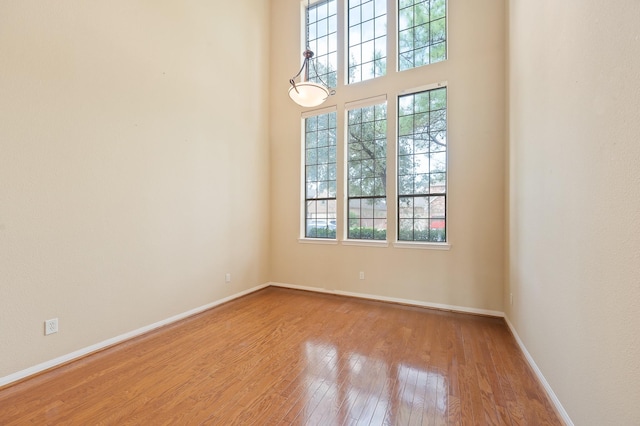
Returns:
(320, 212)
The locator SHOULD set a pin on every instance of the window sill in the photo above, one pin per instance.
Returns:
(366, 243)
(423, 246)
(326, 241)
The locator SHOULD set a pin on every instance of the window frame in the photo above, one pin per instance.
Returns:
(398, 39)
(351, 98)
(348, 46)
(350, 106)
(438, 245)
(303, 173)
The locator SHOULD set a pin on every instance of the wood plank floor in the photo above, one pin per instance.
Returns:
(289, 357)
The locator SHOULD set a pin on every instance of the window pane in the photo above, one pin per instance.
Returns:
(354, 35)
(320, 176)
(422, 166)
(367, 39)
(366, 173)
(437, 9)
(422, 32)
(322, 23)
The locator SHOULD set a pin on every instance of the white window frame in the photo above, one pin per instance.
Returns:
(303, 162)
(345, 102)
(349, 106)
(446, 245)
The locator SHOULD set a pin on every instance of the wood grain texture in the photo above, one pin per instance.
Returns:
(283, 356)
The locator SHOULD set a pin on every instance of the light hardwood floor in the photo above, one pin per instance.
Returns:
(283, 356)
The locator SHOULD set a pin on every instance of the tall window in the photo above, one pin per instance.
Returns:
(422, 32)
(420, 190)
(322, 39)
(367, 172)
(320, 176)
(422, 166)
(367, 39)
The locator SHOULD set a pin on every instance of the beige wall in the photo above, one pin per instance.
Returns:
(128, 160)
(574, 201)
(471, 273)
(127, 164)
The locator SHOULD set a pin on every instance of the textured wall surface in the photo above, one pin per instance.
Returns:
(133, 174)
(574, 201)
(471, 273)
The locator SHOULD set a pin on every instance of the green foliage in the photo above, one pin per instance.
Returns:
(323, 72)
(320, 233)
(422, 145)
(321, 28)
(367, 151)
(422, 160)
(422, 32)
(428, 235)
(368, 233)
(320, 156)
(363, 233)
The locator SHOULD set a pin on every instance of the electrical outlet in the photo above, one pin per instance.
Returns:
(227, 277)
(511, 298)
(362, 275)
(50, 326)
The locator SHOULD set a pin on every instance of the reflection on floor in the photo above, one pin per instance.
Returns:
(369, 388)
(290, 357)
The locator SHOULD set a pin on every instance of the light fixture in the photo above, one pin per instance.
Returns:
(307, 93)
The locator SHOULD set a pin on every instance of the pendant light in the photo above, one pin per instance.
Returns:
(307, 93)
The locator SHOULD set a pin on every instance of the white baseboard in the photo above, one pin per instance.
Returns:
(441, 306)
(118, 339)
(554, 399)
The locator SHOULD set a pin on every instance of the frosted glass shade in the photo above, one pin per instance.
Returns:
(308, 94)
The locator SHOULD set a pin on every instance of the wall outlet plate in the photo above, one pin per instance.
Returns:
(50, 326)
